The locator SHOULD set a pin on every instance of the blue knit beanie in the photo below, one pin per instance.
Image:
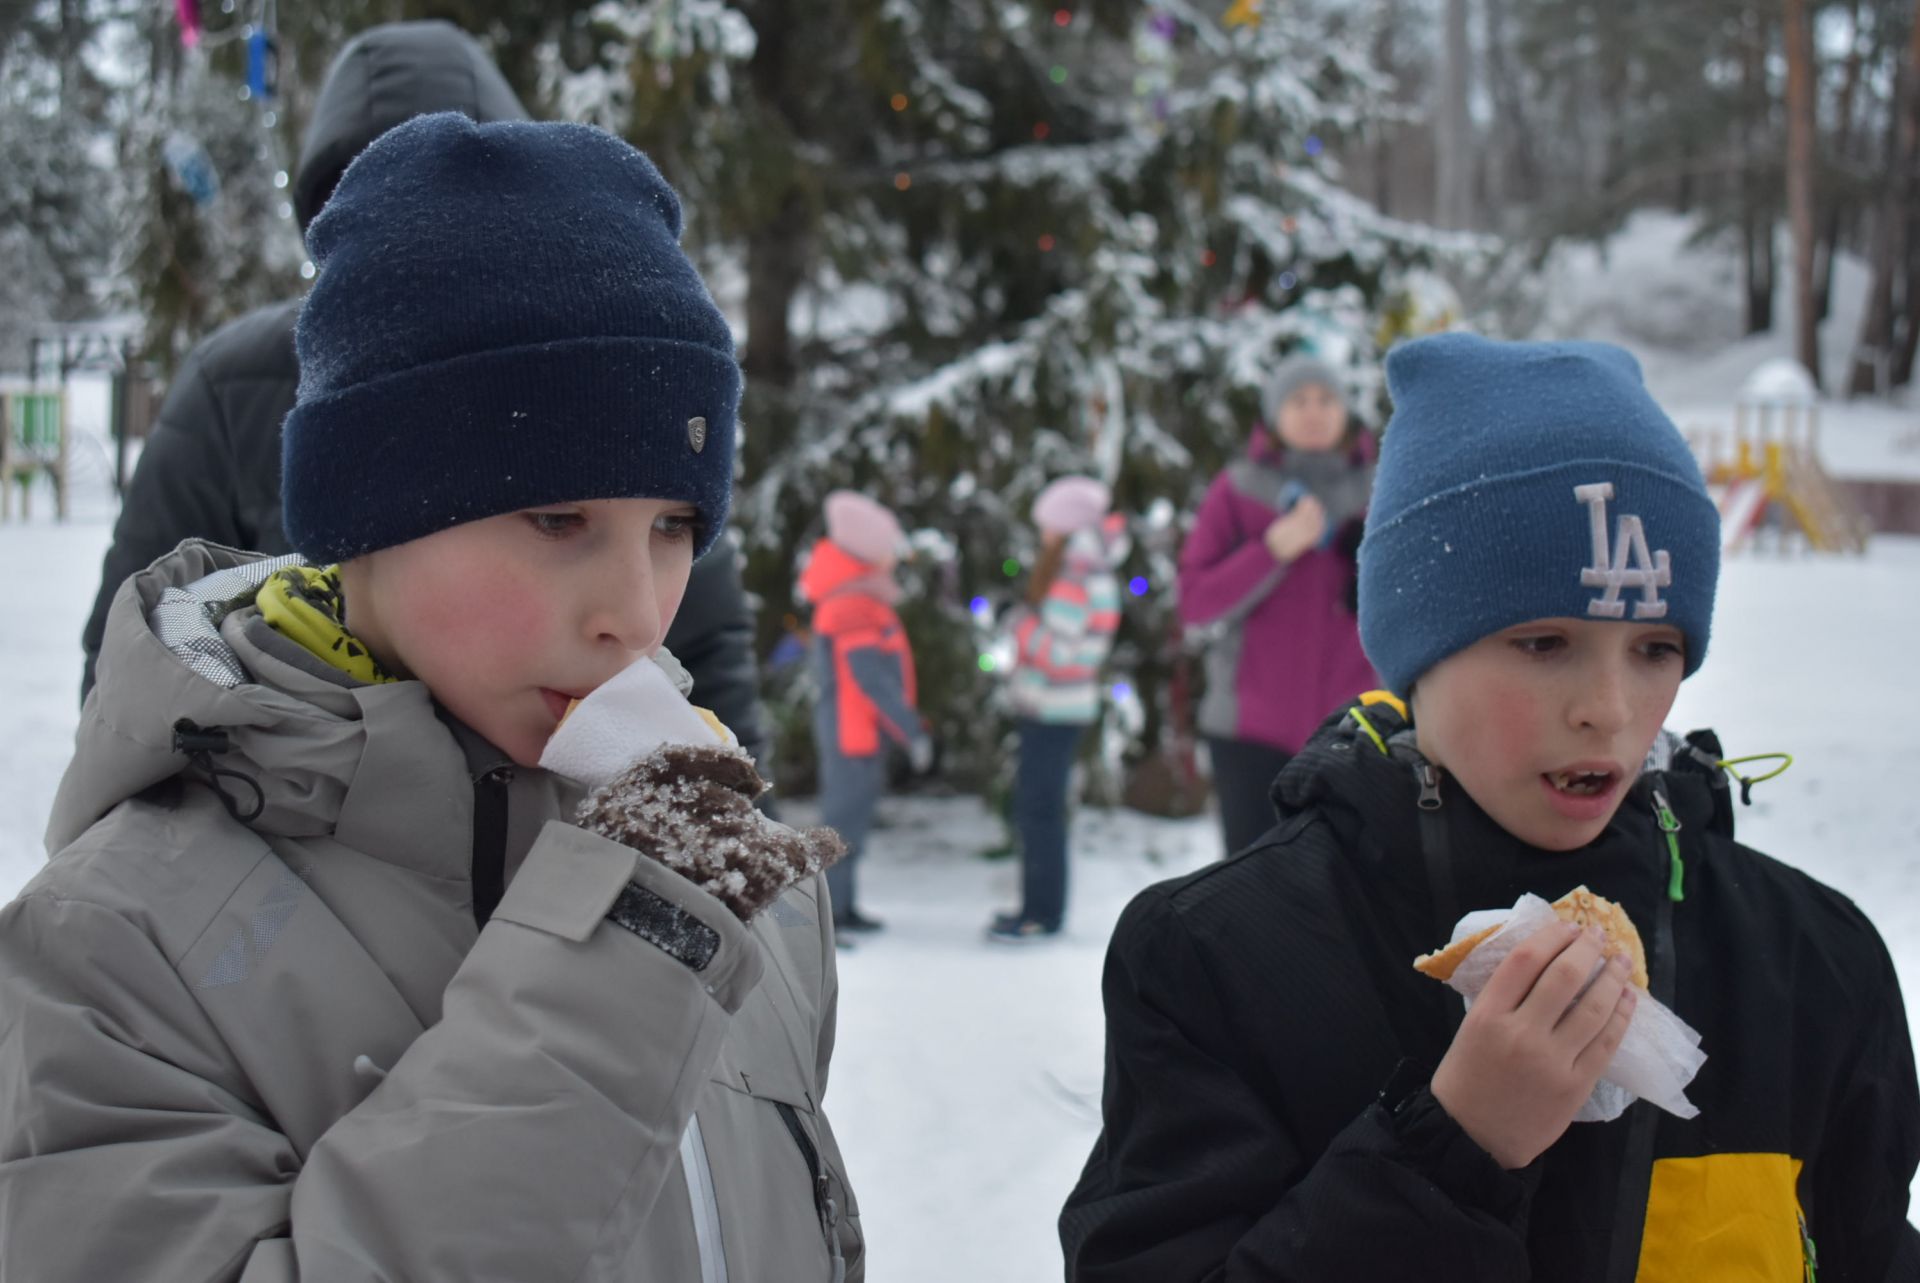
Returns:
(503, 319)
(1522, 481)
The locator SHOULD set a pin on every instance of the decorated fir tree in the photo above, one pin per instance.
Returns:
(976, 245)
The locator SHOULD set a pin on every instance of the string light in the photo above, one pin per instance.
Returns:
(1122, 692)
(1058, 75)
(1314, 145)
(1288, 280)
(1208, 258)
(980, 606)
(1040, 130)
(902, 181)
(1046, 243)
(899, 102)
(986, 664)
(1063, 17)
(1138, 585)
(1010, 567)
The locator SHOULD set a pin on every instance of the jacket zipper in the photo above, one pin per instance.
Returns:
(1808, 1255)
(706, 1205)
(823, 1204)
(489, 869)
(1676, 867)
(1429, 787)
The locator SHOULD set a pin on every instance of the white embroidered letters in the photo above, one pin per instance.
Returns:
(1628, 565)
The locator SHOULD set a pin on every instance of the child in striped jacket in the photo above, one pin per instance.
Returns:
(1061, 640)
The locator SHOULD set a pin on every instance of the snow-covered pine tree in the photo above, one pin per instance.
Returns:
(985, 243)
(55, 174)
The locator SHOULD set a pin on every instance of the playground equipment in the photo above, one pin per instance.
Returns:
(1766, 475)
(33, 443)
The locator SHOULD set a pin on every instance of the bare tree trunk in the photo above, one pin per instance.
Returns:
(776, 268)
(1514, 174)
(1756, 209)
(1800, 140)
(1906, 338)
(1385, 57)
(1833, 217)
(1453, 125)
(1878, 346)
(1756, 234)
(779, 243)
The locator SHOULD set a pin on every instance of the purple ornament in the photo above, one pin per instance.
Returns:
(1164, 25)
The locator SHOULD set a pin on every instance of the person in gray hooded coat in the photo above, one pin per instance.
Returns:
(327, 979)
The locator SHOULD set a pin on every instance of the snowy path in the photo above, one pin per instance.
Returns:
(965, 1076)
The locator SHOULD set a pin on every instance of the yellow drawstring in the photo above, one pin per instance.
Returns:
(1748, 781)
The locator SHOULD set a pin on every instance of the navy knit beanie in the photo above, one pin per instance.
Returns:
(503, 319)
(1522, 481)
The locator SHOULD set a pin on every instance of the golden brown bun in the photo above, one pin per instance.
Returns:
(1579, 906)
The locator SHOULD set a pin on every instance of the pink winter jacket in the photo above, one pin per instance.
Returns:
(1284, 647)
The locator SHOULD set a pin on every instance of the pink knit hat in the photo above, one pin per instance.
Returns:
(863, 528)
(1070, 505)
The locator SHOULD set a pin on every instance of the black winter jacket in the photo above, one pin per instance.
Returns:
(1268, 1046)
(211, 468)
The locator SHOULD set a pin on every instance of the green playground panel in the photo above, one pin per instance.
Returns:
(34, 420)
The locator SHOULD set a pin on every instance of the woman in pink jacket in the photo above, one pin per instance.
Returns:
(1267, 574)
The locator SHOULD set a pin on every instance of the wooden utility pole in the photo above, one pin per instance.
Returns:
(1800, 143)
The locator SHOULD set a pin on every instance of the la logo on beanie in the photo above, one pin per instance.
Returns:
(1629, 565)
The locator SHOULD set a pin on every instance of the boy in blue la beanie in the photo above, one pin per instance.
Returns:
(1536, 580)
(370, 980)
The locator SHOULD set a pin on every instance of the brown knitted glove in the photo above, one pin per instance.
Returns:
(690, 807)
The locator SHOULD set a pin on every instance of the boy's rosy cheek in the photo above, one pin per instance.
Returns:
(1511, 726)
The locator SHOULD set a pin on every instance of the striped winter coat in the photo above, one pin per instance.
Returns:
(1059, 647)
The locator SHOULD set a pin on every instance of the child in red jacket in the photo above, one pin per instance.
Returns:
(863, 669)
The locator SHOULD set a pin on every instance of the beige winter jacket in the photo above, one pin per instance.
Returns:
(282, 1050)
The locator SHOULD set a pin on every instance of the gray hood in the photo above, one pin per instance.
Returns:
(383, 77)
(184, 641)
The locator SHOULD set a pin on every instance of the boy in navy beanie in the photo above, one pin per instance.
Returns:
(470, 1005)
(1287, 1097)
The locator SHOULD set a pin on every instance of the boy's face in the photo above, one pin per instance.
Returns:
(508, 618)
(1313, 418)
(1546, 725)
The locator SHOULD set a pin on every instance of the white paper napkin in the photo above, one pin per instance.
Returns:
(639, 709)
(1657, 1059)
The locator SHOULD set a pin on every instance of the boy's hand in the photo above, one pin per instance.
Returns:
(690, 807)
(1528, 1054)
(1303, 526)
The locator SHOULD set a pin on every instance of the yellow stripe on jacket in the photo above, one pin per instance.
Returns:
(1723, 1218)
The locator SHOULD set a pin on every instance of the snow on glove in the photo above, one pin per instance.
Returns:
(690, 807)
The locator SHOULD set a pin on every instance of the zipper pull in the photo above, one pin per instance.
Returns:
(1429, 786)
(1676, 867)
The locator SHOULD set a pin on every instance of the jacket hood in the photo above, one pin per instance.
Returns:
(829, 569)
(373, 764)
(382, 77)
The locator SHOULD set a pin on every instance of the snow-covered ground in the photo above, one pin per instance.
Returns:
(966, 1079)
